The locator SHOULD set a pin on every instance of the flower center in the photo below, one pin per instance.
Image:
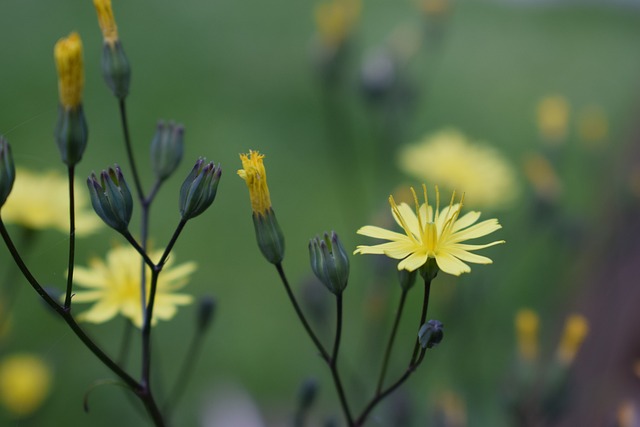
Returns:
(430, 239)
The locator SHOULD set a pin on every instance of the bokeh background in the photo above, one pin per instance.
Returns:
(332, 124)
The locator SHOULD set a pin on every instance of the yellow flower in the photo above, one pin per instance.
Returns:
(41, 201)
(256, 178)
(431, 233)
(25, 381)
(480, 171)
(68, 56)
(335, 19)
(553, 118)
(576, 329)
(593, 125)
(114, 286)
(526, 323)
(106, 21)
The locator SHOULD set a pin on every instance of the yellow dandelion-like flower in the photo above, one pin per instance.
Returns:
(431, 233)
(479, 170)
(68, 55)
(114, 286)
(335, 19)
(255, 176)
(106, 21)
(576, 329)
(527, 323)
(553, 118)
(41, 200)
(25, 382)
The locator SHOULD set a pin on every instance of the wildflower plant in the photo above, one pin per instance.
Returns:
(135, 282)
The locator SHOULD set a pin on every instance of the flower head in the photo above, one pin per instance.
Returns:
(431, 233)
(68, 56)
(255, 176)
(449, 158)
(114, 286)
(106, 21)
(25, 381)
(41, 200)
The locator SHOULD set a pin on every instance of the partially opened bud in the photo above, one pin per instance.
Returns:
(115, 64)
(199, 189)
(7, 170)
(111, 198)
(166, 149)
(329, 262)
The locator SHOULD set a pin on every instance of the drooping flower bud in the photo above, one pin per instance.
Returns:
(7, 170)
(115, 64)
(199, 189)
(166, 149)
(329, 262)
(71, 131)
(431, 334)
(111, 198)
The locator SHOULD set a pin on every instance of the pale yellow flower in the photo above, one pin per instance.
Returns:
(255, 176)
(431, 233)
(25, 382)
(527, 325)
(41, 200)
(553, 118)
(335, 20)
(68, 55)
(114, 286)
(576, 329)
(448, 158)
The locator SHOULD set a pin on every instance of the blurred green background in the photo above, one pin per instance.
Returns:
(242, 76)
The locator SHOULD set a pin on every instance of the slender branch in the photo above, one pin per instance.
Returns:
(323, 352)
(333, 364)
(72, 240)
(423, 317)
(127, 143)
(392, 337)
(127, 235)
(172, 242)
(146, 330)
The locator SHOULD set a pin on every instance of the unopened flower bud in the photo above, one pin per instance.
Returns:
(7, 170)
(166, 149)
(206, 311)
(429, 270)
(307, 394)
(71, 131)
(407, 279)
(269, 236)
(329, 262)
(111, 198)
(431, 334)
(199, 189)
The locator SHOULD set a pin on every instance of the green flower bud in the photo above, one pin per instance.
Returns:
(166, 149)
(111, 198)
(329, 262)
(307, 394)
(199, 189)
(407, 279)
(116, 69)
(431, 334)
(7, 170)
(269, 236)
(71, 134)
(429, 270)
(206, 311)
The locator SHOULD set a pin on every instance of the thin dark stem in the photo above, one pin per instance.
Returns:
(72, 240)
(172, 242)
(423, 317)
(127, 143)
(323, 352)
(333, 364)
(392, 337)
(127, 235)
(146, 330)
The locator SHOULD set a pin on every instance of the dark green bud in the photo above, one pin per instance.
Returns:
(7, 170)
(307, 394)
(71, 134)
(116, 69)
(431, 334)
(407, 278)
(111, 198)
(166, 149)
(269, 236)
(206, 311)
(199, 189)
(329, 262)
(429, 270)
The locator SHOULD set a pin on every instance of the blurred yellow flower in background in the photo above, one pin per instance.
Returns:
(114, 286)
(553, 119)
(41, 200)
(25, 381)
(543, 177)
(527, 325)
(431, 233)
(335, 20)
(593, 125)
(576, 329)
(479, 170)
